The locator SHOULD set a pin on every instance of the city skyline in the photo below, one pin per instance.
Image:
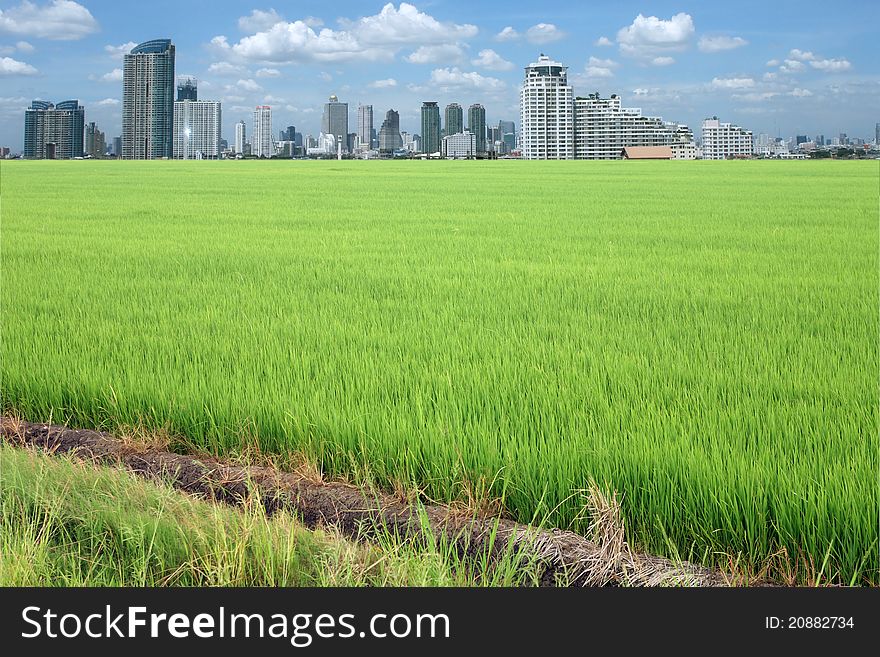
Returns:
(776, 68)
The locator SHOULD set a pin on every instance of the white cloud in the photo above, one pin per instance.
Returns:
(325, 76)
(792, 66)
(732, 83)
(113, 76)
(491, 60)
(268, 73)
(831, 65)
(720, 43)
(755, 97)
(232, 98)
(61, 20)
(801, 55)
(600, 68)
(641, 91)
(119, 52)
(769, 77)
(259, 20)
(455, 78)
(773, 62)
(507, 34)
(652, 38)
(273, 100)
(603, 41)
(225, 68)
(25, 47)
(662, 61)
(383, 84)
(109, 102)
(544, 33)
(9, 66)
(800, 93)
(248, 85)
(371, 38)
(448, 52)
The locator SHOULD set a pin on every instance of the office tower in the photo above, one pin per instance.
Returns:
(477, 125)
(493, 139)
(335, 121)
(454, 119)
(197, 127)
(430, 127)
(365, 126)
(389, 134)
(820, 139)
(261, 139)
(507, 129)
(148, 101)
(603, 128)
(95, 144)
(54, 131)
(724, 141)
(240, 137)
(800, 139)
(547, 112)
(187, 88)
(291, 133)
(117, 146)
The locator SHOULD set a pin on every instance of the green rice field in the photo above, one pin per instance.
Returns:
(700, 336)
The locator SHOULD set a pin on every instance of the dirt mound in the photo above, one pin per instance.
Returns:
(560, 555)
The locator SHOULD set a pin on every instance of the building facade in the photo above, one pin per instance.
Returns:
(389, 134)
(261, 138)
(335, 122)
(430, 128)
(454, 119)
(197, 129)
(603, 128)
(460, 146)
(725, 141)
(477, 125)
(187, 88)
(148, 101)
(365, 126)
(95, 143)
(547, 112)
(240, 137)
(54, 132)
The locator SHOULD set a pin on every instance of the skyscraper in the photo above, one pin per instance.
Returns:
(95, 143)
(187, 88)
(197, 129)
(477, 125)
(148, 101)
(117, 146)
(365, 126)
(291, 133)
(54, 131)
(508, 135)
(389, 134)
(454, 119)
(240, 136)
(430, 127)
(261, 140)
(546, 112)
(335, 121)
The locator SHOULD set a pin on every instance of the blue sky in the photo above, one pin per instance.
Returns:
(785, 67)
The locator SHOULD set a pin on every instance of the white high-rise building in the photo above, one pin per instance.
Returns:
(460, 146)
(603, 129)
(196, 129)
(547, 112)
(261, 139)
(365, 126)
(724, 141)
(240, 136)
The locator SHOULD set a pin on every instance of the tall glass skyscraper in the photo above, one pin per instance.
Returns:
(335, 121)
(187, 88)
(148, 101)
(430, 127)
(54, 132)
(477, 125)
(365, 126)
(389, 135)
(454, 119)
